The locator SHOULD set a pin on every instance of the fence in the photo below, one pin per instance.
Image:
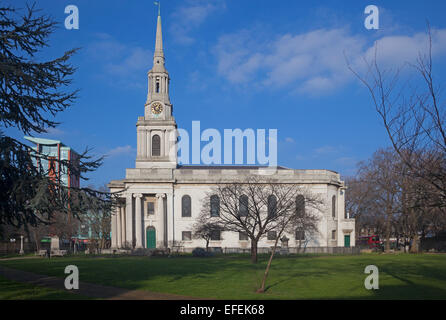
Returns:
(267, 250)
(14, 247)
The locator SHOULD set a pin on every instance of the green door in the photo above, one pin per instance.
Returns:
(151, 238)
(347, 241)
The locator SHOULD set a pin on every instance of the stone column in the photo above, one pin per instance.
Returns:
(21, 245)
(114, 237)
(129, 221)
(166, 144)
(162, 143)
(121, 224)
(119, 227)
(160, 218)
(139, 143)
(149, 143)
(138, 220)
(170, 225)
(144, 144)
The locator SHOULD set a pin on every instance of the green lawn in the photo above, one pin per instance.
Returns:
(21, 291)
(300, 277)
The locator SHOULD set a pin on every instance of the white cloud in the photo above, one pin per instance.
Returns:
(312, 62)
(289, 140)
(125, 64)
(190, 16)
(137, 59)
(325, 150)
(121, 150)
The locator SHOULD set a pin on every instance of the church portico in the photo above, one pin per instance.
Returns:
(136, 212)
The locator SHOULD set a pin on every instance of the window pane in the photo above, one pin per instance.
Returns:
(242, 236)
(271, 235)
(300, 234)
(215, 206)
(156, 146)
(150, 208)
(187, 235)
(300, 205)
(333, 206)
(243, 206)
(272, 206)
(215, 235)
(186, 206)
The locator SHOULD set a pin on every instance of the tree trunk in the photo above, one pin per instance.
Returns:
(414, 247)
(254, 251)
(388, 234)
(207, 245)
(262, 287)
(36, 240)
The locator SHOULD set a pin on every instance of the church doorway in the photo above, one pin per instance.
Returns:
(347, 240)
(151, 238)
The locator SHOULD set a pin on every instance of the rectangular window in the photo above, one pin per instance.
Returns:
(150, 208)
(187, 236)
(300, 235)
(333, 235)
(215, 235)
(271, 235)
(242, 236)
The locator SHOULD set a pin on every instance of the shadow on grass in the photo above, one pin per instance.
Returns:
(232, 278)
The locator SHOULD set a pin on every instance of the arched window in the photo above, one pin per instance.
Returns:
(186, 206)
(272, 206)
(243, 206)
(215, 206)
(300, 205)
(156, 145)
(157, 90)
(333, 206)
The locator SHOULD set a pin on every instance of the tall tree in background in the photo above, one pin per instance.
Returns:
(32, 93)
(382, 176)
(414, 116)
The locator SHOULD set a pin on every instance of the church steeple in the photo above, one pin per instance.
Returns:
(157, 130)
(159, 52)
(158, 77)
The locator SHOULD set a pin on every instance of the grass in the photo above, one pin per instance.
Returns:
(11, 290)
(298, 277)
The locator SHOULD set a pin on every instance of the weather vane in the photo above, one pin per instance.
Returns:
(157, 3)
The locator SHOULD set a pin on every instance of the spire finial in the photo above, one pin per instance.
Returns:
(158, 3)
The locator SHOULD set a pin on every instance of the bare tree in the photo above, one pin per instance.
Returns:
(413, 114)
(204, 229)
(253, 206)
(385, 199)
(294, 218)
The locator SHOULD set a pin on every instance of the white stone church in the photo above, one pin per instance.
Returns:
(161, 199)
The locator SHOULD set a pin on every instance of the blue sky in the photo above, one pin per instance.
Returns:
(238, 64)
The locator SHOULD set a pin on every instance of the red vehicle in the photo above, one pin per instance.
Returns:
(370, 242)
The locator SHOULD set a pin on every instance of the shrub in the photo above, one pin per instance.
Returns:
(200, 252)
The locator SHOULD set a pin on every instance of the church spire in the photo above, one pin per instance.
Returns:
(158, 86)
(159, 53)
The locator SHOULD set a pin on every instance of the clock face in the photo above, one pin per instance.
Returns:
(157, 108)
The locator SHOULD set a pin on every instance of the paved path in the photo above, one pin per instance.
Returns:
(87, 289)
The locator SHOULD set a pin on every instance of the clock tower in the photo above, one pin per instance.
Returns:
(156, 147)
